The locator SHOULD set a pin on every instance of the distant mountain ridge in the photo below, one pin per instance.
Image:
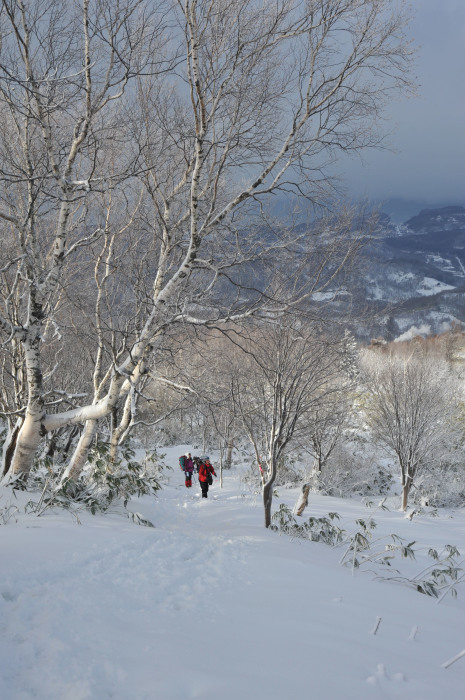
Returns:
(450, 218)
(409, 280)
(401, 210)
(418, 268)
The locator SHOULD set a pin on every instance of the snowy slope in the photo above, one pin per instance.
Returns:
(208, 604)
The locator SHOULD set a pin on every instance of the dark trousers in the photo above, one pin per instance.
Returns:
(188, 478)
(204, 487)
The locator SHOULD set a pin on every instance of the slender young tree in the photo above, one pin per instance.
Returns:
(288, 372)
(410, 410)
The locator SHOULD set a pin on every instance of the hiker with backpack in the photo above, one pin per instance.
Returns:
(197, 463)
(187, 465)
(206, 473)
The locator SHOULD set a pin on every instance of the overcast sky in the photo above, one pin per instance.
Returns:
(430, 129)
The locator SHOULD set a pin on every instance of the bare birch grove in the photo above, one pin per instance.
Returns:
(140, 144)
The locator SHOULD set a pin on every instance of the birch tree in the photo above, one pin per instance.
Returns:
(239, 100)
(63, 67)
(288, 372)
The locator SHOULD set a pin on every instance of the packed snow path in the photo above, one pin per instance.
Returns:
(210, 605)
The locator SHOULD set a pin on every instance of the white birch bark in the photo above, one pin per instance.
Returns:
(64, 162)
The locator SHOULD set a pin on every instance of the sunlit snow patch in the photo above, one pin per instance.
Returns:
(431, 286)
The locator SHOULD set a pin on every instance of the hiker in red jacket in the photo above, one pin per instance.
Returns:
(206, 473)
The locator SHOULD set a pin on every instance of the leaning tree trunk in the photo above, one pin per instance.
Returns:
(81, 452)
(71, 435)
(121, 429)
(9, 447)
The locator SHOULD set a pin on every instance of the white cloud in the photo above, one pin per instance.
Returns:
(414, 331)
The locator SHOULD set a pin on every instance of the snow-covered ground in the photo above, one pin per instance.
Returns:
(430, 286)
(208, 604)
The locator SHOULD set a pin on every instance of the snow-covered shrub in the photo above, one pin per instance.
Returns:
(442, 486)
(351, 470)
(362, 551)
(99, 485)
(436, 580)
(8, 512)
(314, 529)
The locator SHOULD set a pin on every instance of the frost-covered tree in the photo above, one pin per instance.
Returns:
(63, 68)
(333, 410)
(286, 373)
(188, 116)
(411, 404)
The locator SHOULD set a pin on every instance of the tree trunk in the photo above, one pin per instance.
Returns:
(268, 499)
(10, 446)
(113, 419)
(302, 503)
(204, 438)
(405, 492)
(221, 468)
(79, 457)
(406, 481)
(229, 451)
(119, 430)
(32, 429)
(72, 434)
(52, 445)
(27, 444)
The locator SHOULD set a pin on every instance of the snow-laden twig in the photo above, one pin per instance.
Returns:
(446, 664)
(377, 624)
(454, 583)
